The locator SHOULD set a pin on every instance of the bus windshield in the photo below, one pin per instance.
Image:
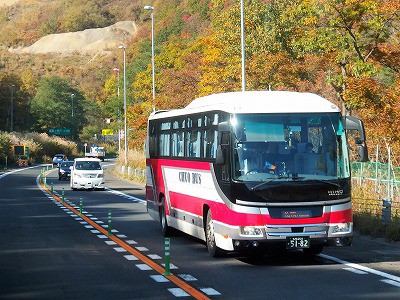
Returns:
(292, 146)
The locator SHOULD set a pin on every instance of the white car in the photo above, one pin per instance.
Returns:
(87, 173)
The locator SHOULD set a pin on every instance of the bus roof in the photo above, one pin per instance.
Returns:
(256, 102)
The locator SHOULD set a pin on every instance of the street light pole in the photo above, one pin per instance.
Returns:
(119, 130)
(72, 105)
(72, 115)
(151, 8)
(125, 131)
(242, 42)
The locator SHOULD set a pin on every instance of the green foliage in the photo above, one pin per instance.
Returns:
(57, 105)
(13, 92)
(84, 15)
(5, 144)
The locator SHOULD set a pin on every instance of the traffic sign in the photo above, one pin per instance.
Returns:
(107, 132)
(60, 131)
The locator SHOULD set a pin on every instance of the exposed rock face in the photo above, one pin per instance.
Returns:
(8, 2)
(87, 41)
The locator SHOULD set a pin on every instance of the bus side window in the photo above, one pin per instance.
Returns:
(164, 144)
(225, 137)
(152, 141)
(195, 143)
(209, 143)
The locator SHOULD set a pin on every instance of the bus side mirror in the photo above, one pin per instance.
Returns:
(220, 159)
(362, 153)
(352, 123)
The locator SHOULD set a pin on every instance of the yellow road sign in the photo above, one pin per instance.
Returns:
(107, 132)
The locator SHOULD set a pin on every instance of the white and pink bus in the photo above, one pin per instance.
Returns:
(253, 171)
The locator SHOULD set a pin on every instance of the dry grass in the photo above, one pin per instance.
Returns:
(367, 208)
(136, 163)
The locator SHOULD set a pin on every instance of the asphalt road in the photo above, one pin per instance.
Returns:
(47, 250)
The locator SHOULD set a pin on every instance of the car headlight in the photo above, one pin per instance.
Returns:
(250, 231)
(78, 175)
(62, 171)
(342, 228)
(100, 175)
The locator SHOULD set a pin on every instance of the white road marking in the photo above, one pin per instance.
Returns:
(131, 257)
(120, 249)
(392, 282)
(187, 277)
(178, 292)
(359, 267)
(154, 256)
(142, 249)
(144, 267)
(159, 278)
(355, 271)
(118, 193)
(210, 291)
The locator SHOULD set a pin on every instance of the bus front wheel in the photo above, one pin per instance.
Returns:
(165, 229)
(212, 248)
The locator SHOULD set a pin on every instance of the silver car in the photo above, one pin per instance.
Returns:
(58, 159)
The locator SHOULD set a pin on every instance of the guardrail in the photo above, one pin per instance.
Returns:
(135, 172)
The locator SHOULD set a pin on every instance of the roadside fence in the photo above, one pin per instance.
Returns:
(136, 174)
(379, 188)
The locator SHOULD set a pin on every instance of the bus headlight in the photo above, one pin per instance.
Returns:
(250, 231)
(342, 228)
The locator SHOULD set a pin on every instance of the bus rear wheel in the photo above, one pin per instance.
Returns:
(212, 248)
(165, 229)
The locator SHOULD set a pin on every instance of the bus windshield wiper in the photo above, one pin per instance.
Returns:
(327, 182)
(294, 179)
(265, 182)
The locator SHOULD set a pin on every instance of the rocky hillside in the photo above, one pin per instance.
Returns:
(8, 2)
(86, 41)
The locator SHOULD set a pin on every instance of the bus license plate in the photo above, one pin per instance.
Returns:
(297, 242)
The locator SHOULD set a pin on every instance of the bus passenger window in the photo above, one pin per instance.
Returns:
(194, 144)
(164, 144)
(209, 143)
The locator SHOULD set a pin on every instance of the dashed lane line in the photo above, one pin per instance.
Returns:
(184, 289)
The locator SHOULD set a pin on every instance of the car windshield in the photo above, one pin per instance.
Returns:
(300, 147)
(67, 164)
(88, 165)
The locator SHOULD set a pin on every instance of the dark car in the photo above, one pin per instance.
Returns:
(58, 159)
(64, 170)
